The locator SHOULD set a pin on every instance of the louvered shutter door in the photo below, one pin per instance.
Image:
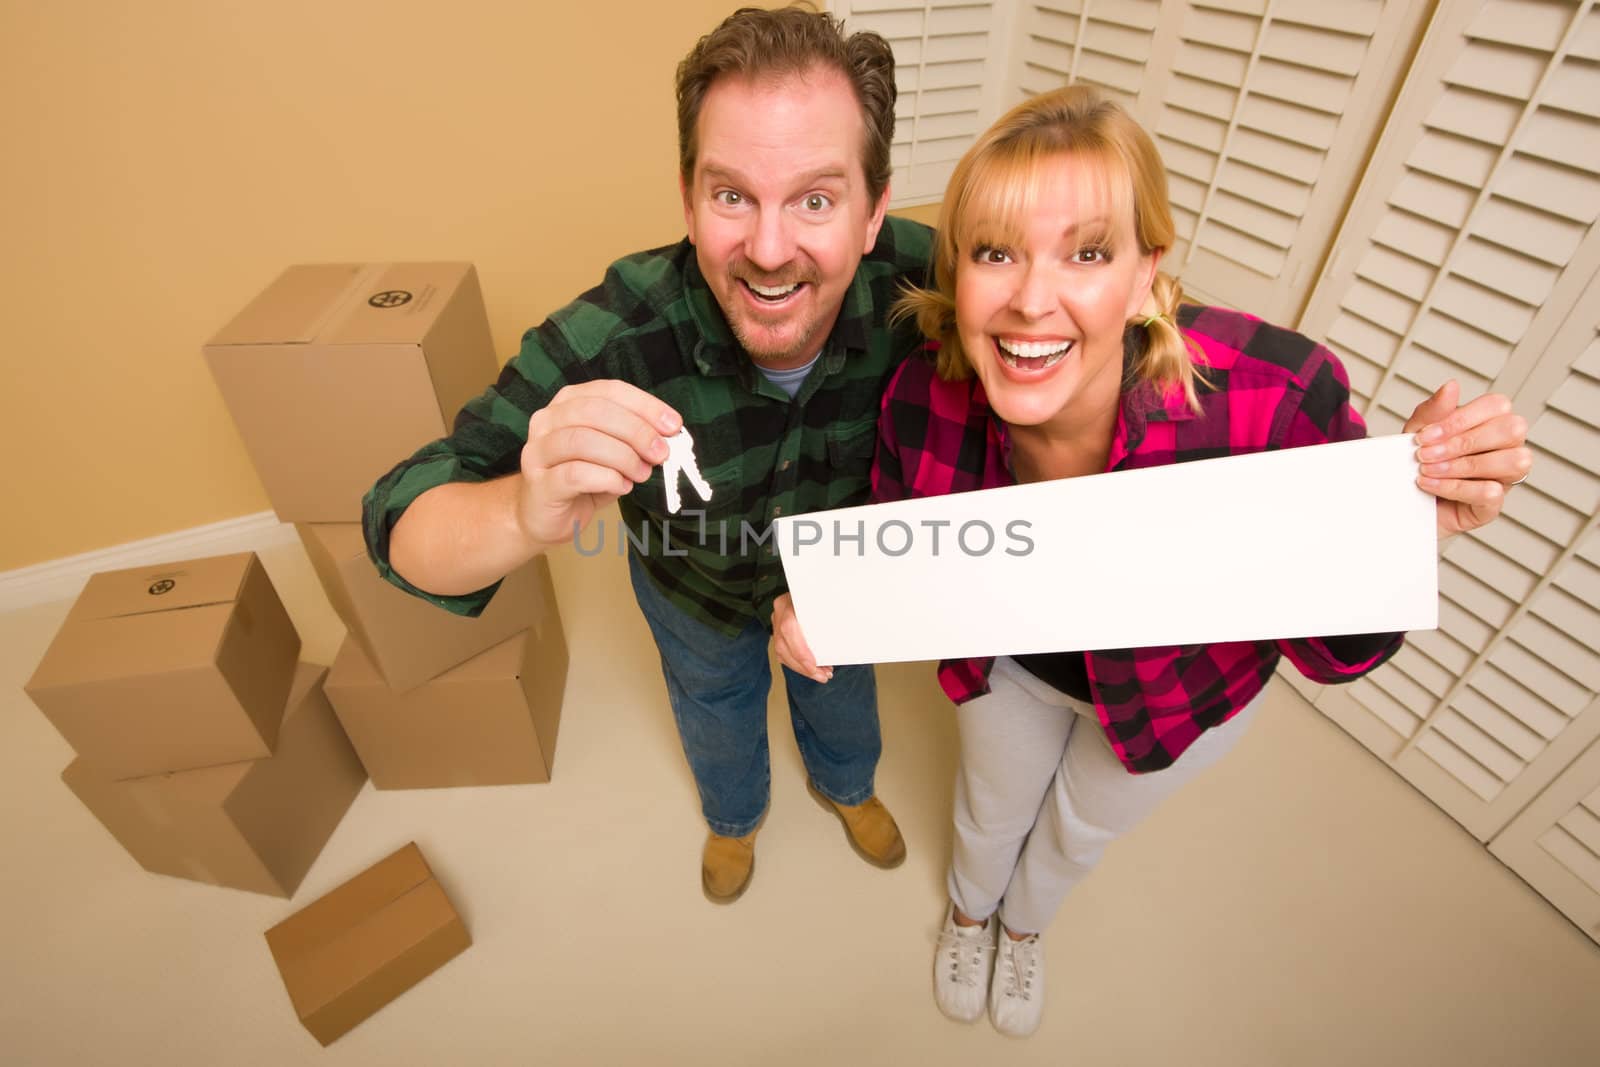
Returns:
(949, 64)
(1471, 251)
(1263, 111)
(1107, 43)
(1264, 124)
(1554, 844)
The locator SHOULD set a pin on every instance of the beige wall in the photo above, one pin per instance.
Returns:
(162, 161)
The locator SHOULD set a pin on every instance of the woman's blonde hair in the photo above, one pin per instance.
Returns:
(994, 186)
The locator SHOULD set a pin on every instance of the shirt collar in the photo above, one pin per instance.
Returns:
(1143, 403)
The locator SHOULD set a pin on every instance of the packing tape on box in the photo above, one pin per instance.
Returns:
(197, 871)
(157, 815)
(150, 805)
(347, 304)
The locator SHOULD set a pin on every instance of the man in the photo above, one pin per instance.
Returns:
(764, 334)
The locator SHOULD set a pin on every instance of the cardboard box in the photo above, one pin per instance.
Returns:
(170, 667)
(409, 640)
(348, 954)
(339, 371)
(256, 825)
(491, 721)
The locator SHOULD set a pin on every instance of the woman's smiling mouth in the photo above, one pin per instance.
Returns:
(1032, 355)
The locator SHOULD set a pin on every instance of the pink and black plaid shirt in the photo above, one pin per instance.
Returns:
(1273, 389)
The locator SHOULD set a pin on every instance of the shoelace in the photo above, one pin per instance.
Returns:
(968, 955)
(1016, 958)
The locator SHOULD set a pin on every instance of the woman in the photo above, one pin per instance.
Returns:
(1063, 351)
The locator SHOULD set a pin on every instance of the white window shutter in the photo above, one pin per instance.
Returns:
(1554, 843)
(1471, 251)
(1263, 111)
(950, 62)
(1264, 123)
(1107, 43)
(1458, 247)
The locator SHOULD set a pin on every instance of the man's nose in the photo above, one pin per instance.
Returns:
(771, 242)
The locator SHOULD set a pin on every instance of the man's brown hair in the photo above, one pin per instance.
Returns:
(757, 43)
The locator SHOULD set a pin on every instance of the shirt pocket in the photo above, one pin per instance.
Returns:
(850, 450)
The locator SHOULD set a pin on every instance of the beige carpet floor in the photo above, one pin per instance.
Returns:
(1301, 905)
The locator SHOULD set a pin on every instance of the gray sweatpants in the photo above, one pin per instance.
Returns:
(1040, 794)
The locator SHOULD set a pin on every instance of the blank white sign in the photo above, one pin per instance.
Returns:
(1318, 541)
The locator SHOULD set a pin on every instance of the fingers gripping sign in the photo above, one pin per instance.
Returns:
(1470, 455)
(789, 642)
(680, 461)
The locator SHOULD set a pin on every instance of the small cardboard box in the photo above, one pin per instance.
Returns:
(407, 639)
(490, 721)
(337, 372)
(256, 825)
(170, 667)
(349, 953)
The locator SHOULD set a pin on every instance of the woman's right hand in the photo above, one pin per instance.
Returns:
(790, 643)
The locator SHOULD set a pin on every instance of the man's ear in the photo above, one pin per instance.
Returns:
(875, 222)
(688, 207)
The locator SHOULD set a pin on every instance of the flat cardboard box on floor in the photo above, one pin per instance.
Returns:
(170, 667)
(338, 371)
(407, 639)
(490, 721)
(256, 825)
(349, 953)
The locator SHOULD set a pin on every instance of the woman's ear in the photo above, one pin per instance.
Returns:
(1141, 300)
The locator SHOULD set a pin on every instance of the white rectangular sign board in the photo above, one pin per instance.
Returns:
(1305, 542)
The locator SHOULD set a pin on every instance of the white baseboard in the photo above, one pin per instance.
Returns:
(63, 579)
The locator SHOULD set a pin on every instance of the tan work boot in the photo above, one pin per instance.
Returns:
(870, 828)
(726, 867)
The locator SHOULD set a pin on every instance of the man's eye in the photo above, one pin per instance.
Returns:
(817, 202)
(729, 197)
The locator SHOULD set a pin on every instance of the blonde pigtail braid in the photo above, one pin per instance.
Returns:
(935, 316)
(1169, 358)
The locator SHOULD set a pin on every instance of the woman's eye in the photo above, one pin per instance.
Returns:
(1089, 255)
(987, 254)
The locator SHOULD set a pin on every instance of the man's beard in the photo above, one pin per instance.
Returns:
(749, 329)
(750, 334)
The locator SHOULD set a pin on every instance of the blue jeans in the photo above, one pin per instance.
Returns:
(718, 688)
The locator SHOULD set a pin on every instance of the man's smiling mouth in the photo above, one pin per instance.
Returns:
(771, 294)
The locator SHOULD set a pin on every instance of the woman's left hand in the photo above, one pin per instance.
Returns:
(1470, 455)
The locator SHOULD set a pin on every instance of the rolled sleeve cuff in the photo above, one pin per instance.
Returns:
(382, 507)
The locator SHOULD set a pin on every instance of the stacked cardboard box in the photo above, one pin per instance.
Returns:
(205, 748)
(333, 374)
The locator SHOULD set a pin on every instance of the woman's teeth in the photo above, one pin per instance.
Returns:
(1032, 355)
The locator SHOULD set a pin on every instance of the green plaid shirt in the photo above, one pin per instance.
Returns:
(654, 322)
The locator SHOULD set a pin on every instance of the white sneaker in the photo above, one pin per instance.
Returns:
(1016, 999)
(961, 967)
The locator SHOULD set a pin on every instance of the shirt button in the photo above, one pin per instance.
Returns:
(785, 465)
(777, 511)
